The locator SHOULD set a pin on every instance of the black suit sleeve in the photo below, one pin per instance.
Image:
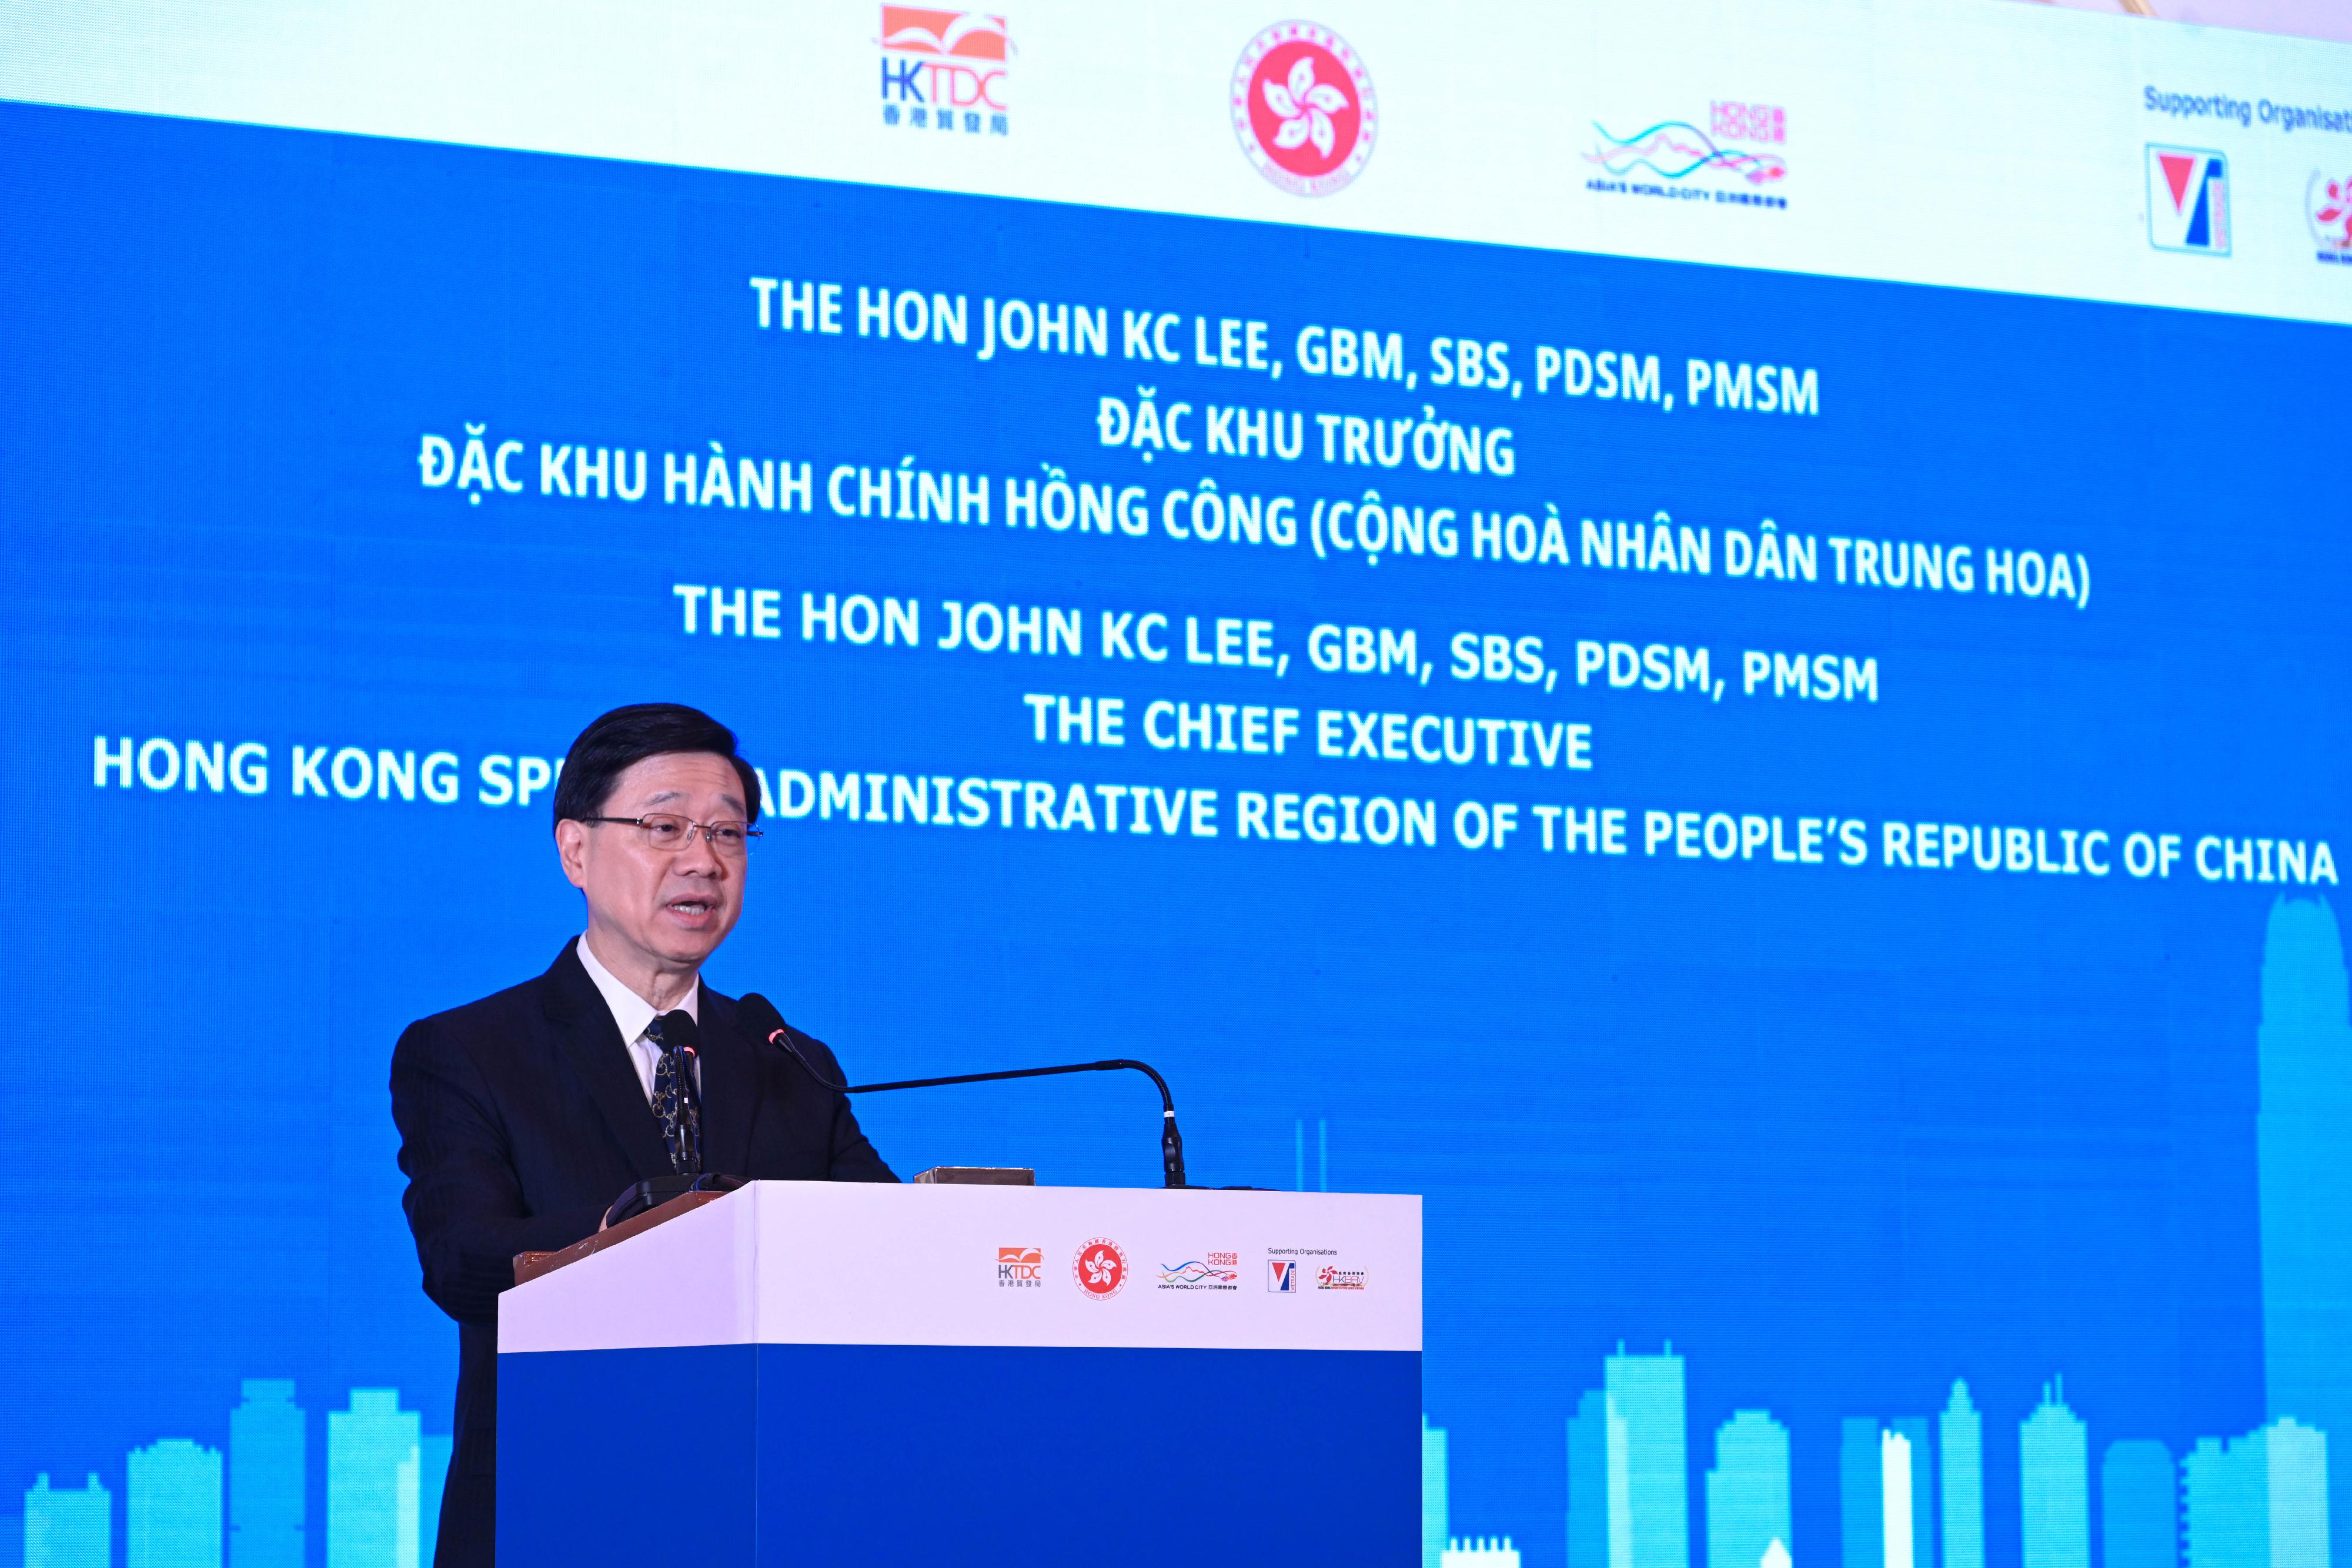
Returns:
(464, 1201)
(853, 1157)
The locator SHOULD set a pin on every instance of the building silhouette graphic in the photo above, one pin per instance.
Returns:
(1913, 1431)
(1895, 1511)
(432, 1474)
(68, 1529)
(1861, 1493)
(1599, 1525)
(1435, 1515)
(267, 1469)
(2260, 1501)
(2140, 1506)
(1628, 1481)
(1747, 1491)
(173, 1506)
(2053, 1457)
(1887, 1494)
(1960, 1446)
(373, 1482)
(2225, 1504)
(2303, 1129)
(1646, 1391)
(2300, 1529)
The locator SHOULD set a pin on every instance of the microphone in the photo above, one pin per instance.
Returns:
(765, 1022)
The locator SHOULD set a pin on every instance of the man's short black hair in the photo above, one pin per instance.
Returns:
(626, 737)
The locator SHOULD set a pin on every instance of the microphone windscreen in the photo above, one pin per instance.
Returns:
(678, 1029)
(759, 1015)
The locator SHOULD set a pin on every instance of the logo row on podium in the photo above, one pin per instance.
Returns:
(1100, 1270)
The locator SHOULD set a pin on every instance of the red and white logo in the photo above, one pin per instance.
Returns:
(943, 35)
(945, 70)
(2329, 205)
(1100, 1269)
(1304, 108)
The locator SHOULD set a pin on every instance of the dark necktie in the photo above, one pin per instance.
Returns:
(677, 1101)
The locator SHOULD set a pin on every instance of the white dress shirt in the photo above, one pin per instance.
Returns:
(632, 1012)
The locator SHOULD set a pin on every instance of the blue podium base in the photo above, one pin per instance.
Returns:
(777, 1455)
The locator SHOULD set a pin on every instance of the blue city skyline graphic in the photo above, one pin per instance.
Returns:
(383, 1482)
(1911, 1490)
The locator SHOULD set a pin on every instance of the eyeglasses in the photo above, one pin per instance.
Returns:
(664, 831)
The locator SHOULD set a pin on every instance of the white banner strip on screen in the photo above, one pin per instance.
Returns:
(846, 1263)
(1963, 142)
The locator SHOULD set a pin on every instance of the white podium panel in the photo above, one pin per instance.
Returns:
(854, 1263)
(848, 1374)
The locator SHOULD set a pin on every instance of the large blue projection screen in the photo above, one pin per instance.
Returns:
(1805, 815)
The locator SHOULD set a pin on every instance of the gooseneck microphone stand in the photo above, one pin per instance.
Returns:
(1172, 1141)
(769, 1024)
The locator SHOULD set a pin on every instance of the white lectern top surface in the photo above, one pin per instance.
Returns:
(853, 1263)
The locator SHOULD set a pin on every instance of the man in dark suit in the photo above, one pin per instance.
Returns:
(524, 1115)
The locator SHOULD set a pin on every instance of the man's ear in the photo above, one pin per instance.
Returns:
(572, 850)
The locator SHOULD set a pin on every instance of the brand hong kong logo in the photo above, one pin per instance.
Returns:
(2328, 201)
(1282, 1276)
(1100, 1269)
(1674, 159)
(1303, 107)
(1761, 122)
(1019, 1268)
(945, 70)
(2188, 199)
(1328, 1278)
(1209, 1272)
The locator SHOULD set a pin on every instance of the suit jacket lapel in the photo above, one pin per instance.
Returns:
(593, 1043)
(731, 1087)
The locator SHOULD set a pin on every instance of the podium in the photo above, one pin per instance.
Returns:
(815, 1373)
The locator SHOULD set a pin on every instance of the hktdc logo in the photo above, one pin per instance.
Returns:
(1019, 1268)
(1100, 1269)
(945, 70)
(1303, 107)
